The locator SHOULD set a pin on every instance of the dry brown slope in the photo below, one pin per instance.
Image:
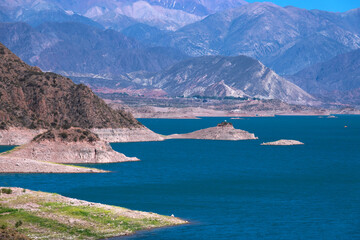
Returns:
(31, 98)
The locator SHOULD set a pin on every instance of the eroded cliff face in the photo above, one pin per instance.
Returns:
(33, 99)
(74, 145)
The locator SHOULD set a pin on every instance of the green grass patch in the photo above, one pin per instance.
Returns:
(102, 218)
(30, 222)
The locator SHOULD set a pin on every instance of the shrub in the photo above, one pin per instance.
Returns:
(18, 223)
(91, 139)
(3, 126)
(6, 190)
(63, 135)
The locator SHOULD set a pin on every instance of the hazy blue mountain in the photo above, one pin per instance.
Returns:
(119, 14)
(146, 34)
(199, 7)
(3, 17)
(218, 76)
(336, 80)
(272, 34)
(38, 12)
(74, 48)
(35, 18)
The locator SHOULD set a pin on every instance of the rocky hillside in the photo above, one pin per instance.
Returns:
(286, 39)
(34, 99)
(217, 76)
(336, 80)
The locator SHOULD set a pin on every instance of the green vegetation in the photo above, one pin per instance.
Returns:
(6, 190)
(51, 216)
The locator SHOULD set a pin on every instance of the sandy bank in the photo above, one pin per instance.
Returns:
(141, 134)
(23, 165)
(283, 142)
(224, 131)
(18, 136)
(68, 218)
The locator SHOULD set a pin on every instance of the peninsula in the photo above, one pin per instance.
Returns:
(40, 215)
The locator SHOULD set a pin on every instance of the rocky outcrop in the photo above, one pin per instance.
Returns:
(142, 134)
(74, 145)
(283, 142)
(224, 131)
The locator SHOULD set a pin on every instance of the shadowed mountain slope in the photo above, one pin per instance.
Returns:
(336, 80)
(74, 48)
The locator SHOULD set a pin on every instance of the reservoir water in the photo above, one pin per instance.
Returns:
(232, 190)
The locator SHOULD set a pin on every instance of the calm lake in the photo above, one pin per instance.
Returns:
(232, 190)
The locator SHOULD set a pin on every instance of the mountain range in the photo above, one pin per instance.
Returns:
(165, 14)
(117, 39)
(287, 39)
(211, 77)
(76, 48)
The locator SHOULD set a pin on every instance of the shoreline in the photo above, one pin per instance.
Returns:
(148, 231)
(250, 116)
(101, 221)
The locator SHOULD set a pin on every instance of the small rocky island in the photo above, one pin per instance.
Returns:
(283, 142)
(223, 131)
(29, 214)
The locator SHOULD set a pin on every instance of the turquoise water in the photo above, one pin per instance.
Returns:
(233, 190)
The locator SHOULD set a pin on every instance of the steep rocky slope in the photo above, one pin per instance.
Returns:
(336, 80)
(31, 98)
(217, 76)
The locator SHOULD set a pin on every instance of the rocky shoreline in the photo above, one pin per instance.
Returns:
(98, 221)
(24, 165)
